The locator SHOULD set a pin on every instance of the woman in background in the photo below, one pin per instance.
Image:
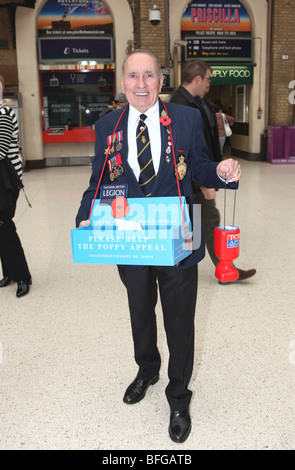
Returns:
(13, 260)
(220, 124)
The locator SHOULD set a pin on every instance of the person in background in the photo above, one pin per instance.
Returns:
(13, 260)
(220, 123)
(110, 107)
(195, 86)
(142, 130)
(121, 100)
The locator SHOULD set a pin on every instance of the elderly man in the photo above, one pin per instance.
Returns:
(182, 132)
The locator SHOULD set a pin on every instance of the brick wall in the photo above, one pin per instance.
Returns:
(282, 71)
(8, 65)
(148, 36)
(153, 37)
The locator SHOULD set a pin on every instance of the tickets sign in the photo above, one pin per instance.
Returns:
(74, 50)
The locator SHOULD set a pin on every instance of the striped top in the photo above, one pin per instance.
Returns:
(9, 137)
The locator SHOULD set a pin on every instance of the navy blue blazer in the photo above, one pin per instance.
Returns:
(189, 141)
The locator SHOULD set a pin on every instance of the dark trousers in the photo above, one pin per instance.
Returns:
(13, 260)
(178, 294)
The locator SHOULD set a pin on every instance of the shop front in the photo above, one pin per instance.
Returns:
(231, 85)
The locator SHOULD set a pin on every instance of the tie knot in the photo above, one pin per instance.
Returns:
(143, 117)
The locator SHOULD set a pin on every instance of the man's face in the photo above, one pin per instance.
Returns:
(141, 82)
(205, 84)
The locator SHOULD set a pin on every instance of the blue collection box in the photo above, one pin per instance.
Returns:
(149, 234)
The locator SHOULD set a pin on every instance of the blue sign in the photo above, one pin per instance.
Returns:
(150, 234)
(218, 48)
(75, 49)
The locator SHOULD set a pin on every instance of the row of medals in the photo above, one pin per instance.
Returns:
(119, 170)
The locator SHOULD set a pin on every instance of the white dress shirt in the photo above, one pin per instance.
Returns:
(153, 124)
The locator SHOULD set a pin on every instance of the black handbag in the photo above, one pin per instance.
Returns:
(10, 184)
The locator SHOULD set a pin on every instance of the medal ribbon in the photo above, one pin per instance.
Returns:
(115, 161)
(111, 139)
(105, 162)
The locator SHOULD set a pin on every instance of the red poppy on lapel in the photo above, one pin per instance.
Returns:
(164, 119)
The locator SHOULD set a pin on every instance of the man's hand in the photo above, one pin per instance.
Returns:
(208, 193)
(85, 223)
(229, 169)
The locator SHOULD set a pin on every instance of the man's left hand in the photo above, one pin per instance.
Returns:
(229, 169)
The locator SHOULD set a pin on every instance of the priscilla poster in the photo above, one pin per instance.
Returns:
(74, 18)
(220, 17)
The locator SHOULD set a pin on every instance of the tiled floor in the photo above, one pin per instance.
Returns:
(66, 349)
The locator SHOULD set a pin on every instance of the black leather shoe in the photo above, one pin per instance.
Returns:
(243, 275)
(180, 425)
(5, 281)
(137, 390)
(23, 287)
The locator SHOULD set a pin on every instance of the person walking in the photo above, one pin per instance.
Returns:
(13, 260)
(192, 92)
(224, 123)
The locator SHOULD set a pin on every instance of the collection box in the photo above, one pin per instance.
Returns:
(145, 231)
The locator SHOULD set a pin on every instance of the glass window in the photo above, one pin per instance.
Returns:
(75, 99)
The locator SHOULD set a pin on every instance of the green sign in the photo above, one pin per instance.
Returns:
(232, 75)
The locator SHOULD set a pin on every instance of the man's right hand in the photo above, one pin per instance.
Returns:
(208, 193)
(85, 223)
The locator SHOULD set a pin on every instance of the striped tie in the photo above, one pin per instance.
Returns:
(144, 156)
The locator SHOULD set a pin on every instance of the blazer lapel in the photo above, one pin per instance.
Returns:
(164, 146)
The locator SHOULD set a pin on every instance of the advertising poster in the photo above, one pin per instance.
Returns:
(216, 18)
(74, 18)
